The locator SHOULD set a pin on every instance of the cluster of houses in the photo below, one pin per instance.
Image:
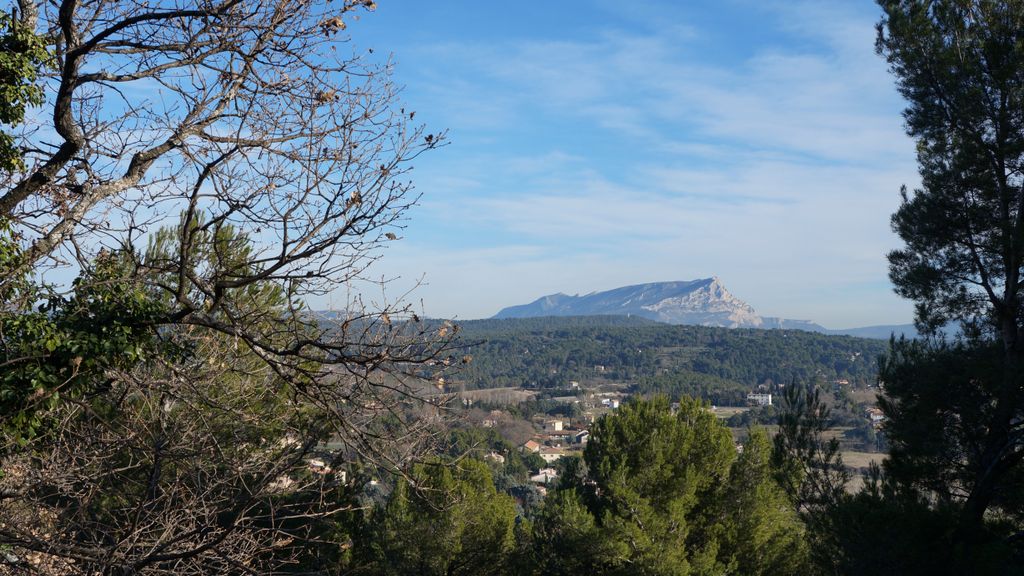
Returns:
(555, 439)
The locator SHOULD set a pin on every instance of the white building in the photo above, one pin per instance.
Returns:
(759, 399)
(544, 476)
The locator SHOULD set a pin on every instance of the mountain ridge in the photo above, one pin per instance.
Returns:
(701, 302)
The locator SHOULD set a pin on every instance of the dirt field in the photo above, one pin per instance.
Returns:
(858, 463)
(506, 396)
(861, 460)
(727, 411)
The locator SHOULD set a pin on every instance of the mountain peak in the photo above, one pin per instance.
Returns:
(704, 301)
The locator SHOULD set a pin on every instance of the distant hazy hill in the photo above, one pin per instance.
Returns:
(704, 302)
(883, 332)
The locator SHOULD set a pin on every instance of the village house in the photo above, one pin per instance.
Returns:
(544, 476)
(559, 438)
(553, 425)
(875, 415)
(551, 454)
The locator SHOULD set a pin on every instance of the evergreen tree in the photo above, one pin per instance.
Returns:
(658, 476)
(809, 468)
(764, 536)
(566, 539)
(956, 414)
(445, 520)
(664, 493)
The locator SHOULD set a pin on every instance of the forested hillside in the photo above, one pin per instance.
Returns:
(551, 352)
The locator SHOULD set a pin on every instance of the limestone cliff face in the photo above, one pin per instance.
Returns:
(708, 304)
(704, 302)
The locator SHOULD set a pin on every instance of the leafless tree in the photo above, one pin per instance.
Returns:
(236, 158)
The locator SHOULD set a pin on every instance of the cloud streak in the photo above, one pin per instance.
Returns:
(622, 155)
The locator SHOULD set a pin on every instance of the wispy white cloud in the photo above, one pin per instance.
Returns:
(627, 157)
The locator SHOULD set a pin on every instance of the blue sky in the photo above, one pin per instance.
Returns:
(596, 144)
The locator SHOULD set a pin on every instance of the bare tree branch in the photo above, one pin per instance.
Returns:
(261, 165)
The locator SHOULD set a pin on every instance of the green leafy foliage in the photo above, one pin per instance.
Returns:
(22, 55)
(759, 415)
(682, 382)
(960, 66)
(155, 423)
(938, 399)
(567, 539)
(169, 411)
(809, 467)
(55, 347)
(883, 530)
(938, 402)
(810, 470)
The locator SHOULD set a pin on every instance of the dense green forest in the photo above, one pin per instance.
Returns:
(718, 364)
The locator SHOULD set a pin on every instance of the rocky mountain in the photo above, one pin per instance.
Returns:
(704, 302)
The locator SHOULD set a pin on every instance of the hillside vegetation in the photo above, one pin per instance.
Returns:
(696, 360)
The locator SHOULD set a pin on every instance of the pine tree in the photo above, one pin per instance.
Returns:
(445, 520)
(666, 493)
(956, 412)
